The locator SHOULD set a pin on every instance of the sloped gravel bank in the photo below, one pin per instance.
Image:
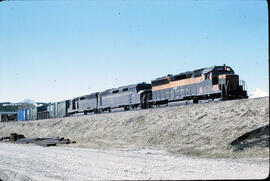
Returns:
(196, 129)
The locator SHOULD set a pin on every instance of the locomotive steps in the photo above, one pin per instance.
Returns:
(196, 129)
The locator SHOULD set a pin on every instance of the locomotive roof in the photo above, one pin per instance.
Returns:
(201, 71)
(188, 74)
(109, 91)
(206, 70)
(92, 95)
(122, 87)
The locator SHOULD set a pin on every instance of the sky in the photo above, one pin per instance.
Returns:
(56, 50)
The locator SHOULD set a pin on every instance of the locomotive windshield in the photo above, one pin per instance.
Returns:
(222, 70)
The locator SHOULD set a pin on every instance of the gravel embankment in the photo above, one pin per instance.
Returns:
(200, 129)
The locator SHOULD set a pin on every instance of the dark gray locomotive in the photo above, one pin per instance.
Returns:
(83, 104)
(126, 97)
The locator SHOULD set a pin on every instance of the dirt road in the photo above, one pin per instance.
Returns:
(30, 162)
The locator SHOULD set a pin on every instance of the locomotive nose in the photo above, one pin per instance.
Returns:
(232, 81)
(232, 89)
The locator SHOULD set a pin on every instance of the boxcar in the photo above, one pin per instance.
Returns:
(58, 109)
(31, 113)
(62, 108)
(52, 109)
(21, 115)
(43, 115)
(8, 116)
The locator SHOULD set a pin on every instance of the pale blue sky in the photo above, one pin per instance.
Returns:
(51, 51)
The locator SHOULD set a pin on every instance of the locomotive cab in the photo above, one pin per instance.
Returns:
(227, 82)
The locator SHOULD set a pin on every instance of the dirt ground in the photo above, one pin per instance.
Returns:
(30, 162)
(190, 141)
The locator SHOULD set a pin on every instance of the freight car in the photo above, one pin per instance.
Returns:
(21, 115)
(57, 109)
(32, 113)
(205, 83)
(52, 110)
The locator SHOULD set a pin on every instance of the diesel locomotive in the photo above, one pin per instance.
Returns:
(207, 83)
(126, 97)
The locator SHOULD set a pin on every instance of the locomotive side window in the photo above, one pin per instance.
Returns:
(215, 80)
(73, 104)
(116, 91)
(207, 76)
(217, 73)
(220, 71)
(125, 89)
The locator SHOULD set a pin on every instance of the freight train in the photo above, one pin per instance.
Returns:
(206, 83)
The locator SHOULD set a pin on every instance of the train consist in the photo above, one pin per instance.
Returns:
(206, 83)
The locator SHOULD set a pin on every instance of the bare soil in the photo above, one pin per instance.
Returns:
(31, 162)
